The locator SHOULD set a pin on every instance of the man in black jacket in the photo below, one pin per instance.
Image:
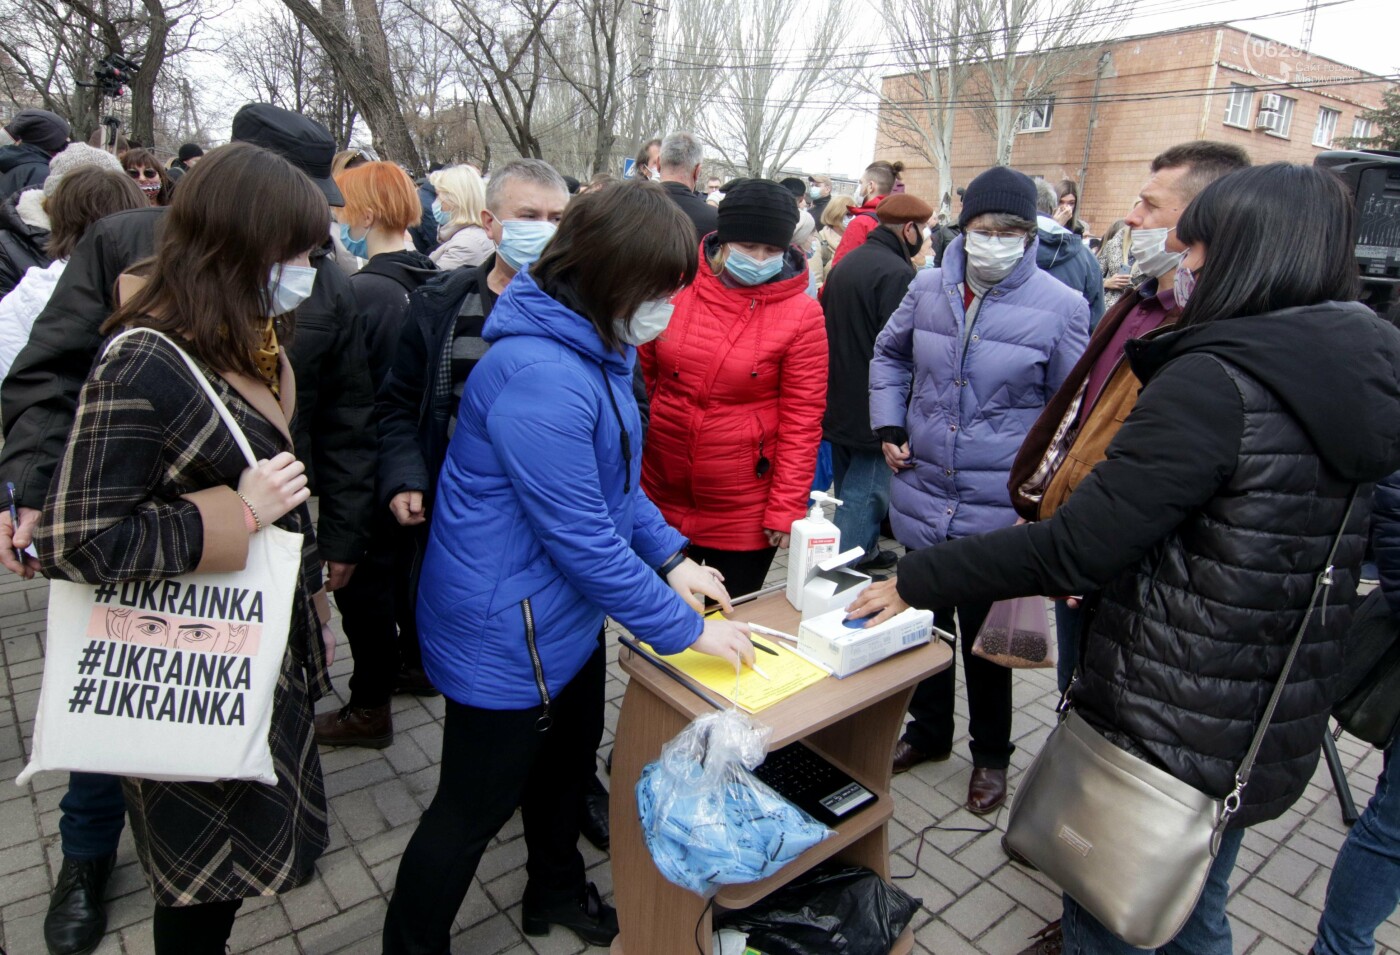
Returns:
(860, 295)
(681, 158)
(333, 430)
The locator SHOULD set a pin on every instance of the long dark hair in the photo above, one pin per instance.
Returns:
(137, 157)
(81, 198)
(617, 247)
(1276, 236)
(238, 212)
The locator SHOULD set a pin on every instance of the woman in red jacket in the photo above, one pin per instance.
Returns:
(738, 387)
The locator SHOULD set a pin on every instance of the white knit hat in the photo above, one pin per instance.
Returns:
(76, 156)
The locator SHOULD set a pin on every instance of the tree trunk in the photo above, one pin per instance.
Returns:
(366, 76)
(143, 85)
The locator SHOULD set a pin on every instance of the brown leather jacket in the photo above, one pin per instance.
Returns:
(1067, 441)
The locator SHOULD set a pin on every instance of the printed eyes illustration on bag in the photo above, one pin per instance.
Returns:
(239, 632)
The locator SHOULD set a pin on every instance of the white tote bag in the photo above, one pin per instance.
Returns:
(169, 679)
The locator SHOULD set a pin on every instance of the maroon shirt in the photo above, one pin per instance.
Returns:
(1145, 316)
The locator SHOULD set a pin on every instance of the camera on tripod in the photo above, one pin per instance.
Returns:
(113, 72)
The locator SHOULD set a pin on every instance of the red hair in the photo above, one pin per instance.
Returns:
(381, 190)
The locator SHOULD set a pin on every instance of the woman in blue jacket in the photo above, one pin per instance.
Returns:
(540, 532)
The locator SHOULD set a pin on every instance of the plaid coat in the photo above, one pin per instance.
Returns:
(145, 490)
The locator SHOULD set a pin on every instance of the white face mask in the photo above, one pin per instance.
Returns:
(647, 324)
(290, 285)
(991, 258)
(1149, 249)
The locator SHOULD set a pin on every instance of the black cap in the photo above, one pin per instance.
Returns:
(303, 142)
(190, 151)
(793, 185)
(999, 189)
(39, 127)
(757, 210)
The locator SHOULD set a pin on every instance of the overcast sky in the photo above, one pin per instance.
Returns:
(1360, 33)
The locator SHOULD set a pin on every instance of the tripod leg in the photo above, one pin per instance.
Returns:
(1339, 779)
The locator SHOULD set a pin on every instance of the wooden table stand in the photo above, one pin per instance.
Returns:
(854, 722)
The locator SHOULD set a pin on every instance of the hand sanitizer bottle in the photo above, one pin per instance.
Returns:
(814, 539)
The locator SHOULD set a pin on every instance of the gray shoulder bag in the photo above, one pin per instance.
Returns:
(1129, 842)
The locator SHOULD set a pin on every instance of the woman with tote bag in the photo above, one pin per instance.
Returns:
(154, 492)
(1224, 534)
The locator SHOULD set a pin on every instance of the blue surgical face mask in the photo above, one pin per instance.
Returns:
(814, 193)
(440, 215)
(359, 248)
(522, 241)
(746, 270)
(289, 285)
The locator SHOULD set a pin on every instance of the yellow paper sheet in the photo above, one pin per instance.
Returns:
(788, 674)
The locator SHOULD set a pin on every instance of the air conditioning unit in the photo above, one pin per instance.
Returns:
(1270, 103)
(1271, 121)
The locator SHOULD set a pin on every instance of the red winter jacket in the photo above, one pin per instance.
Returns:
(738, 375)
(863, 222)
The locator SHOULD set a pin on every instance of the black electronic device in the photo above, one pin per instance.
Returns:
(1373, 177)
(804, 778)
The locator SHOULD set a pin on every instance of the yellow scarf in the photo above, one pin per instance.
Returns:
(266, 357)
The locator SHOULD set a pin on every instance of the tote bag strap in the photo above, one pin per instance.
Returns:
(239, 437)
(1320, 589)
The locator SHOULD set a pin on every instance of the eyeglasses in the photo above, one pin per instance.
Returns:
(988, 234)
(145, 172)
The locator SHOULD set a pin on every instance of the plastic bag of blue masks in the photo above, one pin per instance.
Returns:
(707, 820)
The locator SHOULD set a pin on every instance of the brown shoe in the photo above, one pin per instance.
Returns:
(986, 791)
(1048, 941)
(372, 727)
(907, 757)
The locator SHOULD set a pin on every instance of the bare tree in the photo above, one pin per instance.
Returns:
(54, 46)
(587, 47)
(778, 86)
(502, 40)
(918, 107)
(1026, 47)
(282, 63)
(354, 40)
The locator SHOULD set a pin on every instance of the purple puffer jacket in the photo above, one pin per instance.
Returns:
(969, 408)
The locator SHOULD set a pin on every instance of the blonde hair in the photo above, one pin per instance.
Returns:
(462, 187)
(834, 215)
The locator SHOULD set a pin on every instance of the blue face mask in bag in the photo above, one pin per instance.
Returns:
(289, 285)
(746, 270)
(522, 241)
(359, 248)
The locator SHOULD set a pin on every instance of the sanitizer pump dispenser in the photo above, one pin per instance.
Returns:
(814, 539)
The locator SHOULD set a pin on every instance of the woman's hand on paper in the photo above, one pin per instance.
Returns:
(879, 602)
(726, 640)
(689, 579)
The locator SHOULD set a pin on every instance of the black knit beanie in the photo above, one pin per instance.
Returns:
(757, 210)
(999, 189)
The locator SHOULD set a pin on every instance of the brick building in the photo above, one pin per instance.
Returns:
(1237, 87)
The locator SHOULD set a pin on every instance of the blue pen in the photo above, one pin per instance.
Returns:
(14, 518)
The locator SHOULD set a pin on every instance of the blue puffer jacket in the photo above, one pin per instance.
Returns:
(967, 409)
(541, 528)
(1385, 537)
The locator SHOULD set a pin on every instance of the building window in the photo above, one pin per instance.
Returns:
(1326, 127)
(1239, 110)
(1360, 128)
(1036, 115)
(1275, 114)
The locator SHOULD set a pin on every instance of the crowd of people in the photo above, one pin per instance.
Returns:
(527, 405)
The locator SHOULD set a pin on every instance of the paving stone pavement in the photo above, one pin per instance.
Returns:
(974, 900)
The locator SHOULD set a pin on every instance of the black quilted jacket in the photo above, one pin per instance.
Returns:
(1205, 528)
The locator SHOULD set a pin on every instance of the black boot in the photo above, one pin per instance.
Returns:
(593, 815)
(77, 918)
(590, 918)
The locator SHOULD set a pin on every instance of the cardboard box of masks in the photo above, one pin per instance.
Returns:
(847, 647)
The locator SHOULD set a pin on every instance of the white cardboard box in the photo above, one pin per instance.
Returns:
(847, 647)
(834, 586)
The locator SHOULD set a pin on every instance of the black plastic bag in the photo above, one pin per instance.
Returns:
(832, 910)
(1369, 707)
